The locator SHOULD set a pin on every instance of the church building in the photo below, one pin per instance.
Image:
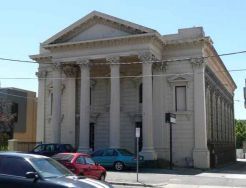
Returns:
(102, 77)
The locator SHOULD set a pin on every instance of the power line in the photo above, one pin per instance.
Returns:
(108, 77)
(165, 60)
(16, 60)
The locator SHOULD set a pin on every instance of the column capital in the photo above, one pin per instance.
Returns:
(70, 71)
(147, 57)
(83, 62)
(41, 74)
(57, 65)
(197, 62)
(113, 60)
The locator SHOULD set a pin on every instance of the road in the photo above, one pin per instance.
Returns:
(233, 175)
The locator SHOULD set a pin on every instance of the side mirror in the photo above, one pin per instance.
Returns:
(32, 175)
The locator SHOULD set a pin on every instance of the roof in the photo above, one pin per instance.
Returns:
(75, 27)
(22, 155)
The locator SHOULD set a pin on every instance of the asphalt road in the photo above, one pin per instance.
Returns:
(233, 175)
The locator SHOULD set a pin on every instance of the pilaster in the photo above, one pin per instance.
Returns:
(40, 133)
(200, 152)
(56, 103)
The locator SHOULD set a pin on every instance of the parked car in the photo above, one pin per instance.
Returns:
(52, 149)
(81, 164)
(117, 158)
(35, 171)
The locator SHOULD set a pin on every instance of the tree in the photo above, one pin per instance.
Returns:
(240, 132)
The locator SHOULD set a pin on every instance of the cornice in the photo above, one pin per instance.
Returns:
(116, 41)
(215, 55)
(96, 20)
(183, 42)
(41, 58)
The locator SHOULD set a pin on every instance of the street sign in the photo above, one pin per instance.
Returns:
(137, 136)
(137, 132)
(170, 118)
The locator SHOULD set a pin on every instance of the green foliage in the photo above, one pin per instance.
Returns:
(4, 137)
(240, 131)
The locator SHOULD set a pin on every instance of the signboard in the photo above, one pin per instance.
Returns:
(137, 132)
(170, 118)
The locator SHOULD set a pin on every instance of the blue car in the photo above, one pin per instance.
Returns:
(117, 158)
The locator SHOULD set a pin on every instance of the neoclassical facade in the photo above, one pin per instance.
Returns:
(102, 77)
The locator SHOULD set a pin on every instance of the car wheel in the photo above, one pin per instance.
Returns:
(119, 166)
(102, 177)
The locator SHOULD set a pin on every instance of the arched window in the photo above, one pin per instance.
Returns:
(140, 93)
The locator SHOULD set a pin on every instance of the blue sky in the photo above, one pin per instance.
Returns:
(26, 23)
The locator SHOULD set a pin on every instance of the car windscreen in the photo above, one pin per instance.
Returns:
(125, 152)
(49, 168)
(68, 148)
(63, 157)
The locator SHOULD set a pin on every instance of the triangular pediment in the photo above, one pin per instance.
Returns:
(97, 26)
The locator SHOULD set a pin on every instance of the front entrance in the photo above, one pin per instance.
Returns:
(92, 136)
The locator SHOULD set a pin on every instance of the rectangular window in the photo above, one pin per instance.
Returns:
(180, 98)
(51, 103)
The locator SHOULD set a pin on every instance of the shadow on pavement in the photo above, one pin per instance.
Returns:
(238, 167)
(175, 171)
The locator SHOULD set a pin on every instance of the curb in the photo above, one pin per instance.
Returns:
(131, 184)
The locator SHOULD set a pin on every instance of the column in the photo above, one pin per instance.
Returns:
(68, 129)
(56, 104)
(84, 105)
(40, 133)
(200, 152)
(114, 122)
(147, 113)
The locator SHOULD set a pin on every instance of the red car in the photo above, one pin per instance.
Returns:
(81, 164)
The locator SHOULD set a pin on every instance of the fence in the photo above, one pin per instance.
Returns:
(16, 145)
(26, 146)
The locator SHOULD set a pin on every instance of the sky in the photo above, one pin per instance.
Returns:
(25, 24)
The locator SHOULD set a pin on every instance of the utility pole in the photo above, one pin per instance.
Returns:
(244, 91)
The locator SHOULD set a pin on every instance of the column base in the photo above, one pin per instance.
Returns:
(84, 150)
(149, 154)
(201, 158)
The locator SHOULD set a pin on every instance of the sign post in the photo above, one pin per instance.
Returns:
(137, 136)
(171, 119)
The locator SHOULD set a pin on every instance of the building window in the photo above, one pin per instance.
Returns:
(180, 98)
(140, 93)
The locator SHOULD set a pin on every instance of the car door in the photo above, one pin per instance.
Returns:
(93, 168)
(13, 171)
(109, 157)
(49, 150)
(82, 167)
(97, 156)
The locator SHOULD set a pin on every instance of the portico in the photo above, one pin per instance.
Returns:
(102, 77)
